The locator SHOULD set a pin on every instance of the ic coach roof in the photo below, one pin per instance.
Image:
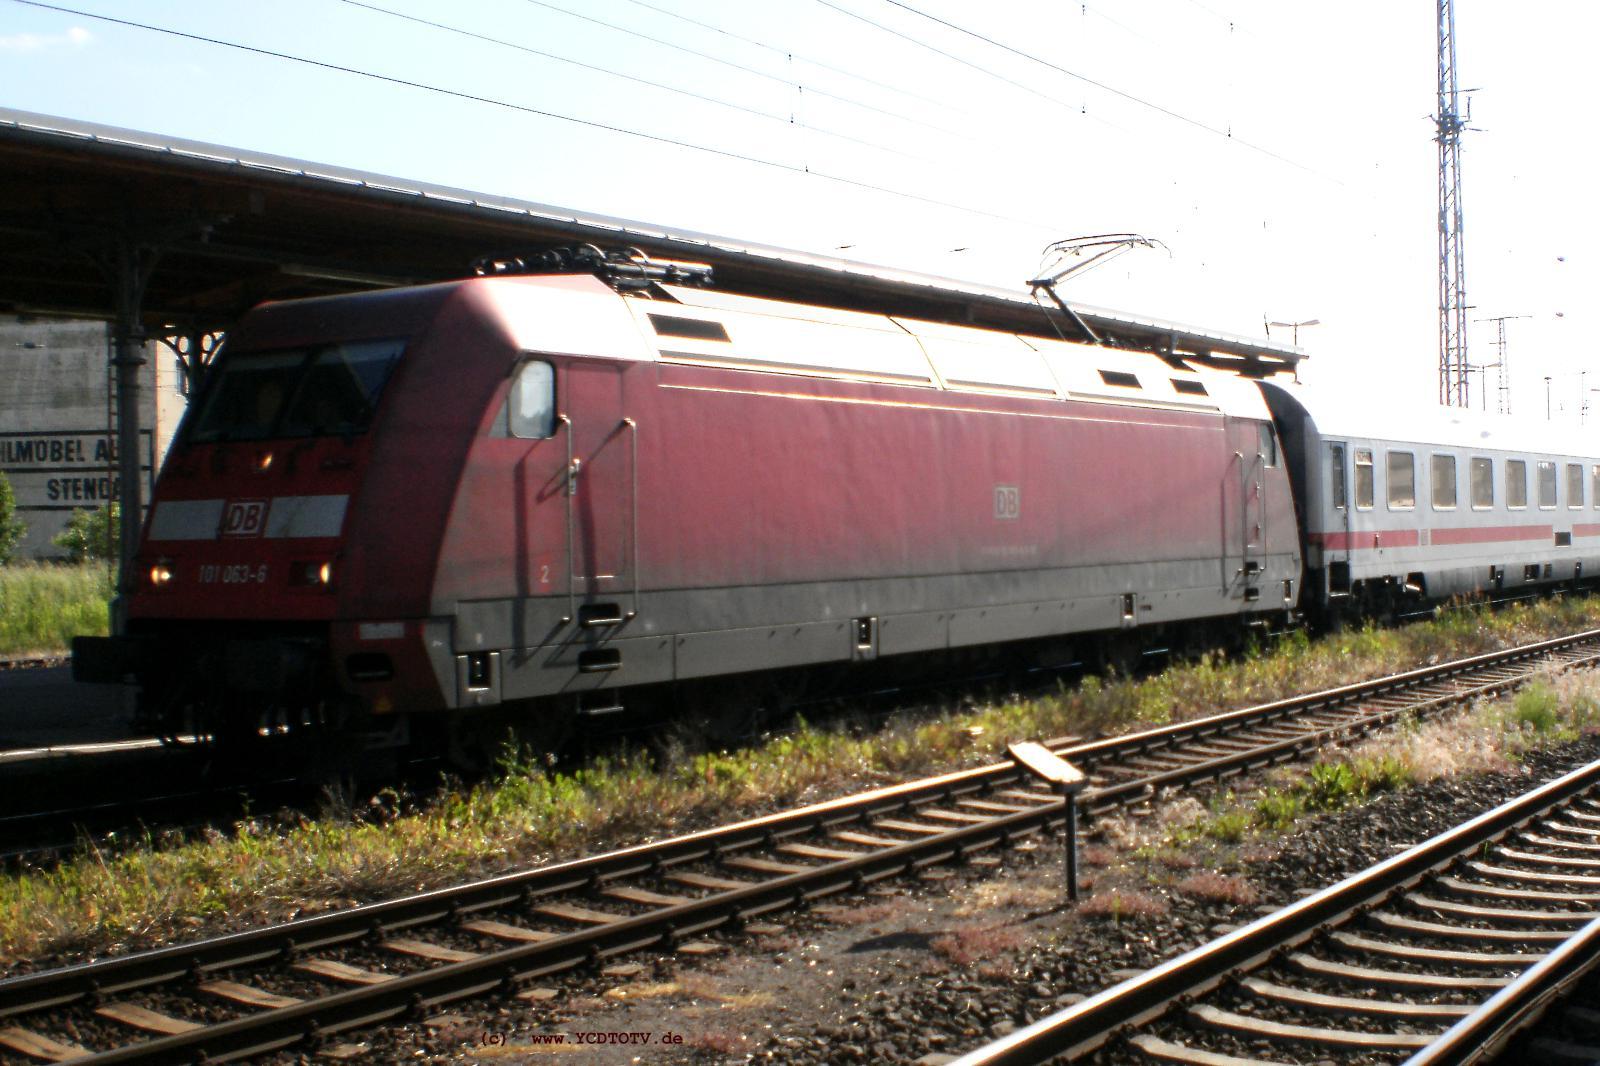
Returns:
(1342, 416)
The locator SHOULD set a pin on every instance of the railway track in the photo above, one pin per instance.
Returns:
(275, 987)
(1434, 956)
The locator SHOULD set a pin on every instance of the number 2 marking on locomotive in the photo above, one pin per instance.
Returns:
(544, 574)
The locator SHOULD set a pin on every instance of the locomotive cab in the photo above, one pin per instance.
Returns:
(235, 602)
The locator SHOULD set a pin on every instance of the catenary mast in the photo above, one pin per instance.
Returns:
(1454, 383)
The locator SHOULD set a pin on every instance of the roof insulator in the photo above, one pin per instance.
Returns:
(624, 269)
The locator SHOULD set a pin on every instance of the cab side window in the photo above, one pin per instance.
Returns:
(532, 404)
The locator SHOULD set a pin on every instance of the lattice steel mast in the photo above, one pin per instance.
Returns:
(1501, 365)
(1454, 383)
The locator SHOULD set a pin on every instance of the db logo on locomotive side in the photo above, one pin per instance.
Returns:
(244, 518)
(1007, 502)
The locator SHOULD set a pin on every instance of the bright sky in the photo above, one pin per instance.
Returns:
(1282, 151)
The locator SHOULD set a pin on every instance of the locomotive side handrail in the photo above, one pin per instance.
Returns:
(571, 476)
(633, 503)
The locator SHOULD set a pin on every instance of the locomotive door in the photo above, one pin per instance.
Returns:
(600, 482)
(1244, 513)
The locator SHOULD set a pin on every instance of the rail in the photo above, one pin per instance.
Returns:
(1188, 983)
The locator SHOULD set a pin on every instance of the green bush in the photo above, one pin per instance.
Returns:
(1330, 786)
(91, 534)
(43, 606)
(1383, 773)
(1278, 809)
(12, 528)
(1536, 708)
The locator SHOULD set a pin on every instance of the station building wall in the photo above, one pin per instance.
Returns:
(58, 420)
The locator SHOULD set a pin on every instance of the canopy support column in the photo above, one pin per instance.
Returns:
(129, 268)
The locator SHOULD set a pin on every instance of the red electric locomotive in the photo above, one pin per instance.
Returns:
(540, 493)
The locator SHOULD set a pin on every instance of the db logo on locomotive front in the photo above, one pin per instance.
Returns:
(244, 518)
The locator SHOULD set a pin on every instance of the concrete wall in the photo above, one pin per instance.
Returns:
(57, 435)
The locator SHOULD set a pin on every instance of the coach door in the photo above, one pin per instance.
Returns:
(1336, 548)
(1244, 509)
(600, 491)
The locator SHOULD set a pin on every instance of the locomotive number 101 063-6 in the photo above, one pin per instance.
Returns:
(233, 574)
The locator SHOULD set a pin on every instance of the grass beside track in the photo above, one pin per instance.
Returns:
(43, 606)
(146, 893)
(1489, 738)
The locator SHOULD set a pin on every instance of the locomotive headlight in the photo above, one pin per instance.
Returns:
(263, 462)
(160, 574)
(312, 573)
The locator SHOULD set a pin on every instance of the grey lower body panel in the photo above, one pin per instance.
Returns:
(683, 634)
(1485, 573)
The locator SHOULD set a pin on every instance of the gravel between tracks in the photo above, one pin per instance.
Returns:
(940, 964)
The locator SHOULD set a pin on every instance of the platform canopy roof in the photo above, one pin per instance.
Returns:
(219, 229)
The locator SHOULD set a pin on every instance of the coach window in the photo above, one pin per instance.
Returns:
(1547, 485)
(1516, 483)
(1594, 486)
(1336, 472)
(1444, 483)
(1574, 486)
(1482, 475)
(1402, 480)
(533, 401)
(1364, 479)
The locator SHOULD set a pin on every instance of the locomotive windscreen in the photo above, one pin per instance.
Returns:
(294, 392)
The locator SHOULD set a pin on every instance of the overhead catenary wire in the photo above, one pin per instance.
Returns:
(780, 79)
(1085, 79)
(785, 120)
(1097, 12)
(790, 53)
(1015, 84)
(458, 94)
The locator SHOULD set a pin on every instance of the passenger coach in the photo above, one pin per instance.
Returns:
(1434, 504)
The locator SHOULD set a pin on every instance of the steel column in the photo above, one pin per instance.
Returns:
(129, 268)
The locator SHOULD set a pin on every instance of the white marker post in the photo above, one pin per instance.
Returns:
(1048, 766)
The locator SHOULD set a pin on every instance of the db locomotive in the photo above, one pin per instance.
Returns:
(547, 494)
